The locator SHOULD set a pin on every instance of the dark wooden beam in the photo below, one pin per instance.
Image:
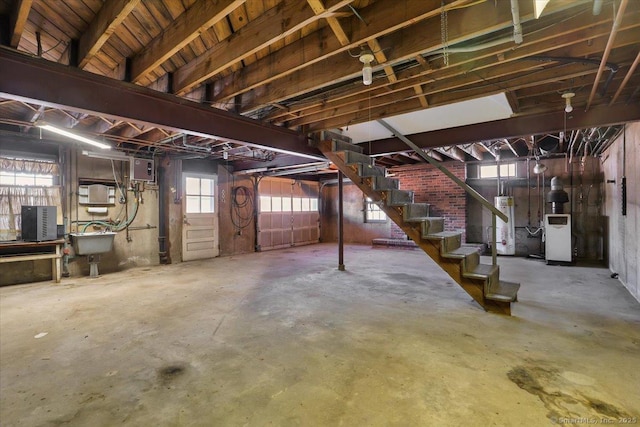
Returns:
(22, 77)
(515, 127)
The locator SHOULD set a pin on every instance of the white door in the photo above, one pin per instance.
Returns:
(200, 217)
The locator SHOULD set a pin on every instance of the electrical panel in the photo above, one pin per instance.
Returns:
(142, 170)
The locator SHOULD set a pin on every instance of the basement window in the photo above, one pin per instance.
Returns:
(372, 212)
(22, 179)
(507, 170)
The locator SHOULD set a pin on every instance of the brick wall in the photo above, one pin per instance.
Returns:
(431, 186)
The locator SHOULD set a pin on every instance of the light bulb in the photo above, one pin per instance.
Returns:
(367, 74)
(366, 58)
(567, 98)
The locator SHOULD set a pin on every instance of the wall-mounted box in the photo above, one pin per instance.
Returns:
(142, 170)
(96, 194)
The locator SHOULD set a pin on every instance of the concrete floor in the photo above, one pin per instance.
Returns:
(282, 338)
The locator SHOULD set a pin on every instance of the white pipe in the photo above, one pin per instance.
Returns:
(597, 7)
(517, 27)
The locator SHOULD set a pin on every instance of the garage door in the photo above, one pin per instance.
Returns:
(288, 213)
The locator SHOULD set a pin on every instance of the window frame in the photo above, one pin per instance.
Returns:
(370, 207)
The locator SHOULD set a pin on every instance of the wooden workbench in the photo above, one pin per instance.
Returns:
(16, 251)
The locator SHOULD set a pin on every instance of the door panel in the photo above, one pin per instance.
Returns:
(293, 222)
(200, 217)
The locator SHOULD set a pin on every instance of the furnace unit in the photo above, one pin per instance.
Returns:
(557, 226)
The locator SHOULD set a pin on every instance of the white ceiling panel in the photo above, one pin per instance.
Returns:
(489, 108)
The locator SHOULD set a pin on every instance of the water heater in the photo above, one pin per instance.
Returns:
(505, 232)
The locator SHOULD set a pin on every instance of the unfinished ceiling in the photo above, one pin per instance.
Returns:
(264, 74)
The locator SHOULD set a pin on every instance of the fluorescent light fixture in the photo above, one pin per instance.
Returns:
(538, 7)
(107, 156)
(68, 134)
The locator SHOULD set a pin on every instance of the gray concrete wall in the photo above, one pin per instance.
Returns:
(136, 247)
(623, 159)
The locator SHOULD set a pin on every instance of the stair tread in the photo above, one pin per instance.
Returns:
(481, 271)
(461, 252)
(423, 218)
(504, 291)
(443, 235)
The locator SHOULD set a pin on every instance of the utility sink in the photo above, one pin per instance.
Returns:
(92, 244)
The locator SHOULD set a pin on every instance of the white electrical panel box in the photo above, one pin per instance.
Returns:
(142, 170)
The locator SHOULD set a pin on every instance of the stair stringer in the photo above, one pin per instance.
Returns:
(453, 267)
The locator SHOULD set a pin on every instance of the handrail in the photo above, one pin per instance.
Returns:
(473, 193)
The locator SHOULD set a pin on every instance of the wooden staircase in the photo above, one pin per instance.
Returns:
(462, 263)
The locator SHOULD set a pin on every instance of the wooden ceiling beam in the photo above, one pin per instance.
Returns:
(546, 39)
(458, 75)
(334, 24)
(397, 105)
(110, 16)
(318, 75)
(381, 59)
(18, 21)
(275, 24)
(321, 44)
(182, 31)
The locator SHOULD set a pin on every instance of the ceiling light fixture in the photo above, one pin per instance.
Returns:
(539, 167)
(50, 128)
(567, 97)
(366, 57)
(114, 155)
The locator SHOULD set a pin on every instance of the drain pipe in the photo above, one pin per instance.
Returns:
(517, 27)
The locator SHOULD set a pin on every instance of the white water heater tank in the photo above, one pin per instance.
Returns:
(505, 232)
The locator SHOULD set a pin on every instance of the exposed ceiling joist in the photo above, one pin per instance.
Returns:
(110, 16)
(275, 24)
(320, 45)
(18, 21)
(182, 31)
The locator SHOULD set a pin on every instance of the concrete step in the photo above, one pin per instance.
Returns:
(398, 197)
(337, 145)
(432, 225)
(504, 291)
(380, 183)
(461, 253)
(482, 272)
(370, 170)
(415, 210)
(351, 158)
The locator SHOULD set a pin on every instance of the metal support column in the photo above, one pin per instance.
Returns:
(340, 223)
